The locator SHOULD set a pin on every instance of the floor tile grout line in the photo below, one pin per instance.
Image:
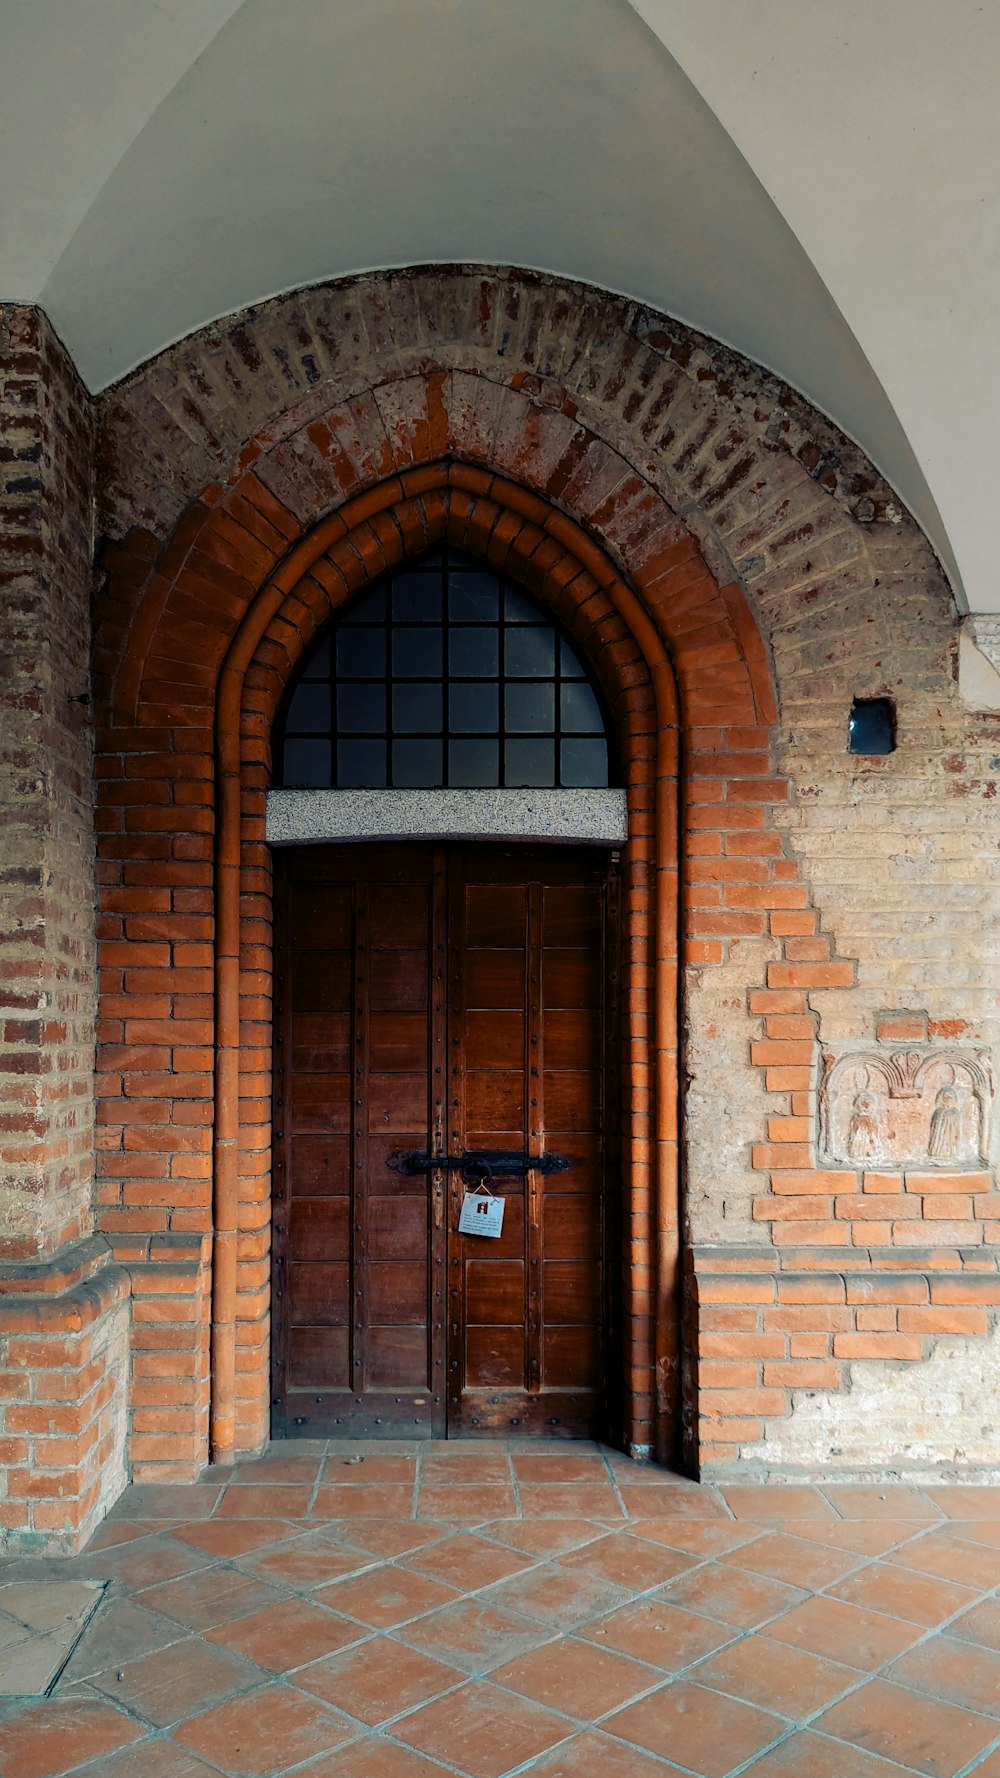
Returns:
(668, 1679)
(617, 1490)
(375, 1562)
(855, 1747)
(691, 1669)
(862, 1563)
(883, 1672)
(961, 1530)
(758, 1750)
(515, 1482)
(254, 1677)
(389, 1722)
(848, 1746)
(894, 1617)
(976, 1764)
(321, 1470)
(282, 1680)
(528, 1766)
(823, 1488)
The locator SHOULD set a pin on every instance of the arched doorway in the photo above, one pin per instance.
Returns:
(446, 1177)
(610, 630)
(222, 614)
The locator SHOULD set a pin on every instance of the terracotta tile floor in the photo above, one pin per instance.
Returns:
(389, 1611)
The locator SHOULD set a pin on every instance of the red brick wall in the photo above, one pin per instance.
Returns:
(64, 1359)
(712, 539)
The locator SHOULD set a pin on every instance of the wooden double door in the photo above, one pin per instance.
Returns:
(432, 1003)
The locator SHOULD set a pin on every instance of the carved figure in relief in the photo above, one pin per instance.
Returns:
(864, 1135)
(907, 1107)
(946, 1126)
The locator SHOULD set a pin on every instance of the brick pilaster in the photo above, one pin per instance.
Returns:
(47, 964)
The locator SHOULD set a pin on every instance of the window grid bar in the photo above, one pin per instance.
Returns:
(502, 627)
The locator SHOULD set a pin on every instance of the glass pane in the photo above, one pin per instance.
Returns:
(584, 762)
(473, 599)
(361, 709)
(473, 763)
(473, 709)
(369, 609)
(307, 765)
(530, 762)
(473, 654)
(531, 707)
(518, 609)
(309, 710)
(461, 734)
(361, 653)
(416, 709)
(417, 764)
(416, 654)
(530, 654)
(361, 765)
(872, 727)
(317, 664)
(580, 709)
(416, 599)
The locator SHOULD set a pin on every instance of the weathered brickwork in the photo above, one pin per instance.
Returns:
(64, 1356)
(63, 1305)
(770, 1333)
(821, 892)
(46, 871)
(737, 574)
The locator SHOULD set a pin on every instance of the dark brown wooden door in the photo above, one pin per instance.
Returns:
(440, 1002)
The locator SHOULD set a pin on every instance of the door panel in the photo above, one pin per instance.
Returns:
(320, 1102)
(352, 1323)
(319, 1294)
(439, 1001)
(526, 945)
(321, 1164)
(318, 1229)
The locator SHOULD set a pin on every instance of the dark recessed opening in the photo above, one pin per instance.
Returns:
(442, 674)
(872, 727)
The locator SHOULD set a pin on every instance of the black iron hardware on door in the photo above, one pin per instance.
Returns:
(478, 1164)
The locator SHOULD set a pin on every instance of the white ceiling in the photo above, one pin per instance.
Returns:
(789, 177)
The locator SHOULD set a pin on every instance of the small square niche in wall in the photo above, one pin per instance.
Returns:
(872, 727)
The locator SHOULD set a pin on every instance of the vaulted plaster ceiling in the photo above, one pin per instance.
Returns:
(781, 176)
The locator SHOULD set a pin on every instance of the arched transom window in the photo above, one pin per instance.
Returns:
(444, 674)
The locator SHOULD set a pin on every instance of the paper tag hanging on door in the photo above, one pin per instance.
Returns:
(481, 1214)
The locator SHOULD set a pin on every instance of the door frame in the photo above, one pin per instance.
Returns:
(444, 1188)
(626, 647)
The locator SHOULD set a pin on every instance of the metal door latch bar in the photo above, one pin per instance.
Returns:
(478, 1164)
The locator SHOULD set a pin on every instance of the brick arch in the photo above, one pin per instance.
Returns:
(206, 575)
(709, 428)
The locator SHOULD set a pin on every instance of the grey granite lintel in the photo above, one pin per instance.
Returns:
(312, 817)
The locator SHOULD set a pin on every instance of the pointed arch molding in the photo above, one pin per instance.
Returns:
(610, 622)
(197, 637)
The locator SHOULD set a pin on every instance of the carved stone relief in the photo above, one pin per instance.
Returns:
(912, 1107)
